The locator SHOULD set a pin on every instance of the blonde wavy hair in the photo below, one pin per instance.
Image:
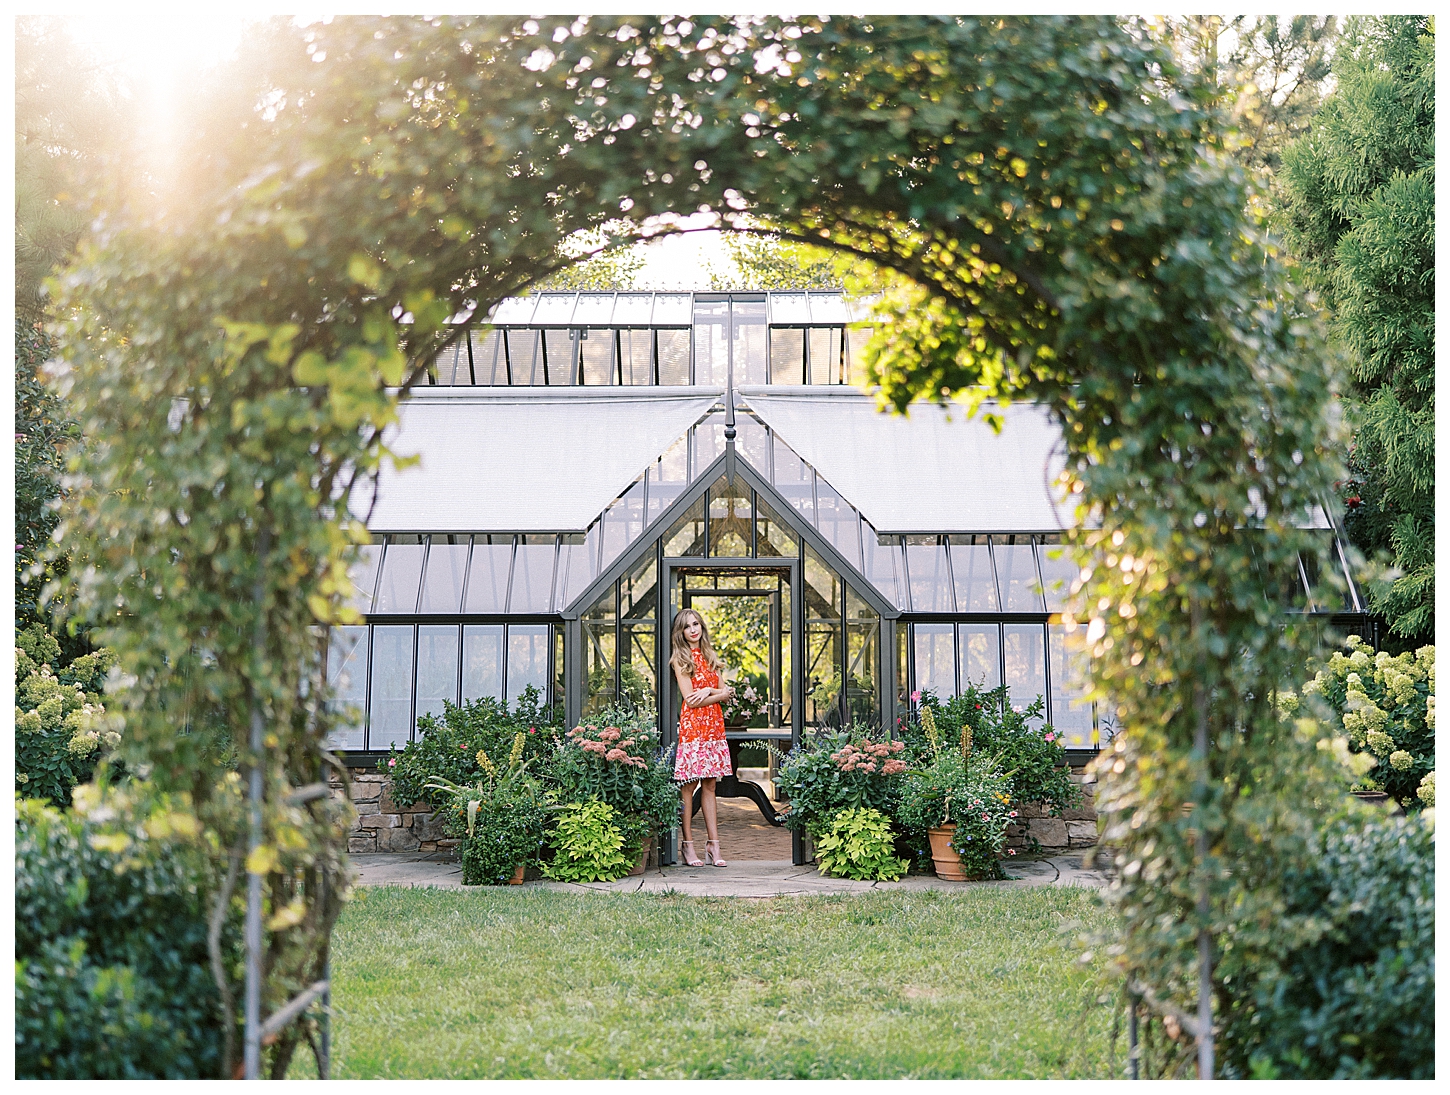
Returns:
(680, 646)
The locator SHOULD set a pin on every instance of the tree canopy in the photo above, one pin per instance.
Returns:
(1063, 222)
(1357, 206)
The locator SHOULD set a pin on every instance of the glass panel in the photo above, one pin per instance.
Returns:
(979, 655)
(402, 574)
(903, 675)
(443, 581)
(863, 640)
(1328, 590)
(856, 339)
(554, 308)
(828, 307)
(636, 356)
(518, 310)
(390, 720)
(838, 523)
(446, 365)
(364, 575)
(559, 682)
(1017, 573)
(825, 355)
(790, 308)
(972, 574)
(823, 616)
(561, 356)
(623, 522)
(638, 598)
(712, 347)
(673, 352)
(708, 439)
(489, 365)
(1026, 664)
(525, 356)
(750, 341)
(926, 566)
(687, 535)
(482, 661)
(773, 537)
(1058, 572)
(528, 660)
(633, 308)
(753, 442)
(598, 633)
(936, 659)
(794, 480)
(596, 352)
(1072, 716)
(533, 579)
(594, 309)
(730, 518)
(347, 683)
(437, 667)
(668, 478)
(488, 574)
(787, 355)
(883, 563)
(672, 309)
(578, 564)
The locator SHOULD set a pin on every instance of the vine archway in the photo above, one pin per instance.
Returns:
(1066, 231)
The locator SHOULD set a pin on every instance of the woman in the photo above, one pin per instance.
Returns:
(702, 755)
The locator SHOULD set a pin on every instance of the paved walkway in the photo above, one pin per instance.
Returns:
(743, 878)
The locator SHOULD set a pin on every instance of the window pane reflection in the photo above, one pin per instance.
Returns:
(668, 478)
(437, 667)
(390, 719)
(787, 355)
(488, 574)
(794, 480)
(528, 660)
(926, 566)
(364, 576)
(636, 357)
(936, 659)
(597, 628)
(687, 535)
(773, 536)
(883, 563)
(972, 574)
(533, 580)
(490, 365)
(578, 563)
(525, 355)
(730, 518)
(1072, 717)
(1024, 656)
(712, 347)
(443, 582)
(863, 640)
(979, 655)
(838, 523)
(750, 345)
(560, 356)
(1058, 572)
(482, 661)
(596, 353)
(623, 522)
(347, 679)
(402, 573)
(1017, 574)
(674, 356)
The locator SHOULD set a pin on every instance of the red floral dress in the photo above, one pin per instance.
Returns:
(702, 752)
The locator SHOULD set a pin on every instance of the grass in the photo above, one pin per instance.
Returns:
(533, 983)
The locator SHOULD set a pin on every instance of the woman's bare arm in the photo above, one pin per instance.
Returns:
(688, 689)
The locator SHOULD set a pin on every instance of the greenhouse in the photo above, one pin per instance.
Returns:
(591, 463)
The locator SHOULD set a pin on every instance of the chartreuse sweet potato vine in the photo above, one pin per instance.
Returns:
(1070, 232)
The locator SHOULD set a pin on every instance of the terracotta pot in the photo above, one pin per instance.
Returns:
(644, 854)
(943, 856)
(518, 878)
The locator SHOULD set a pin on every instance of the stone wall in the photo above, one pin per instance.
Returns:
(383, 825)
(1073, 828)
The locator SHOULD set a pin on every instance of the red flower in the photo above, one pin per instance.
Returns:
(1354, 501)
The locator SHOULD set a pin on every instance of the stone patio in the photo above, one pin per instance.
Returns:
(743, 878)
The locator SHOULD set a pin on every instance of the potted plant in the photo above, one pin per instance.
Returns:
(750, 701)
(499, 820)
(963, 801)
(830, 772)
(617, 759)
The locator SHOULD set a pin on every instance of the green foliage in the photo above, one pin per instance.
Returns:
(1345, 985)
(1033, 759)
(61, 729)
(500, 820)
(1385, 705)
(616, 758)
(858, 844)
(833, 771)
(971, 793)
(765, 261)
(1357, 209)
(605, 269)
(111, 972)
(447, 747)
(588, 844)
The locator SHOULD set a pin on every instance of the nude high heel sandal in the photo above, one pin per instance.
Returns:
(713, 853)
(687, 849)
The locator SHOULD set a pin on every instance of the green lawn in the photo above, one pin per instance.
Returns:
(533, 983)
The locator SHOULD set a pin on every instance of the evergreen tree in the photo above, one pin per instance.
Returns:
(1356, 202)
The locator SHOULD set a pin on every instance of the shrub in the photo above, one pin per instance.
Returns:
(60, 728)
(499, 820)
(971, 793)
(616, 758)
(112, 974)
(1386, 705)
(1033, 760)
(1351, 992)
(858, 843)
(588, 845)
(447, 748)
(830, 772)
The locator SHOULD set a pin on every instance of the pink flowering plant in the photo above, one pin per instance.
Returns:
(831, 772)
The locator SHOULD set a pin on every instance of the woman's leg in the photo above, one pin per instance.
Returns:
(687, 810)
(707, 807)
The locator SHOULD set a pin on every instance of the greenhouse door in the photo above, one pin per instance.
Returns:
(749, 608)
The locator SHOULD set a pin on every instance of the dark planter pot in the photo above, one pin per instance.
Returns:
(1379, 798)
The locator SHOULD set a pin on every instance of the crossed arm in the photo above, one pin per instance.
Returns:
(700, 697)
